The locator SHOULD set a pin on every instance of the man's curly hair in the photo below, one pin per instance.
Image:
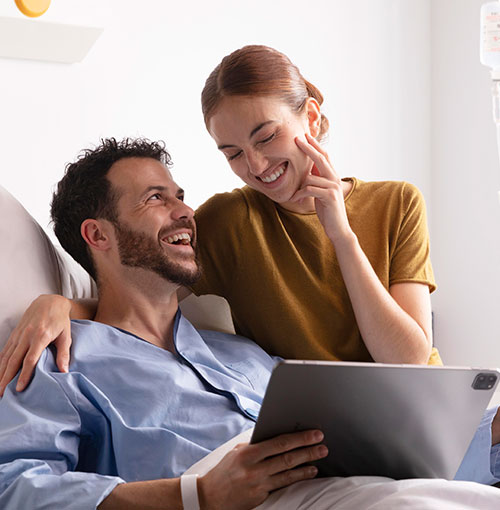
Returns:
(85, 191)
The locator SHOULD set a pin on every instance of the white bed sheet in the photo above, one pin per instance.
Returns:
(366, 492)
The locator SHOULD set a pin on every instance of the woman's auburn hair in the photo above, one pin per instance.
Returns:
(258, 70)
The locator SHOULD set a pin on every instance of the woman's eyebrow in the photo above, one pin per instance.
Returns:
(252, 133)
(259, 127)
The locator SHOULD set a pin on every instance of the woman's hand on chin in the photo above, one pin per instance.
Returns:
(325, 186)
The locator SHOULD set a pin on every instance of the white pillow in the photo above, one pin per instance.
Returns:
(30, 265)
(208, 312)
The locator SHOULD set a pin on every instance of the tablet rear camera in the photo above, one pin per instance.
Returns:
(484, 381)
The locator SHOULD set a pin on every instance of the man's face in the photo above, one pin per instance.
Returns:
(155, 229)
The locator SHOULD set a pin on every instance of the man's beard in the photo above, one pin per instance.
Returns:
(136, 249)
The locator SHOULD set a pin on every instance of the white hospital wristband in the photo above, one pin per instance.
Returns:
(189, 492)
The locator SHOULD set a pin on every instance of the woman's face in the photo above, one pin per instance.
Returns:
(257, 136)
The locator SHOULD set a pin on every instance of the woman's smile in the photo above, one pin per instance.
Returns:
(257, 136)
(274, 176)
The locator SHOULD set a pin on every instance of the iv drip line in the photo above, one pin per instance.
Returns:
(490, 55)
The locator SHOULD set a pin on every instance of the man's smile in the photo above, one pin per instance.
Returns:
(183, 238)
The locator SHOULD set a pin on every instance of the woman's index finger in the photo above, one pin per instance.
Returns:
(319, 156)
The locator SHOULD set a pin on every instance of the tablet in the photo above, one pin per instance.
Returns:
(399, 421)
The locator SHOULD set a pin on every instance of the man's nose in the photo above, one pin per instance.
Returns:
(257, 163)
(182, 210)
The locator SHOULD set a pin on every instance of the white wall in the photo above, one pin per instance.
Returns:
(381, 64)
(465, 223)
(145, 74)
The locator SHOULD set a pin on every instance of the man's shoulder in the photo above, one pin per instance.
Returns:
(84, 333)
(86, 330)
(90, 337)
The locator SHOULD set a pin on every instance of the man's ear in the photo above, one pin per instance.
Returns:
(96, 234)
(313, 111)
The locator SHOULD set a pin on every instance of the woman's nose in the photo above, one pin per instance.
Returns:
(257, 163)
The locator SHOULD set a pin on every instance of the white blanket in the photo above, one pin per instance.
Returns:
(367, 492)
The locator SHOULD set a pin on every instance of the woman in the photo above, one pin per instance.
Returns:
(313, 266)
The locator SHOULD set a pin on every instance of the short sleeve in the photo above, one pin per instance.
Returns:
(220, 224)
(410, 259)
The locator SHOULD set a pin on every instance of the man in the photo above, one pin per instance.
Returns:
(146, 395)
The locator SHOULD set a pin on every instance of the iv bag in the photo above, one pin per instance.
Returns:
(490, 37)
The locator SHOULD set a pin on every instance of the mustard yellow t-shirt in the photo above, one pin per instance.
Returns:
(279, 272)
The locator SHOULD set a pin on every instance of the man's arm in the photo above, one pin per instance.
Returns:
(50, 435)
(152, 494)
(242, 480)
(41, 440)
(481, 462)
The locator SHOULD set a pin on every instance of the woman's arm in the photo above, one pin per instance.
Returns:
(46, 320)
(395, 324)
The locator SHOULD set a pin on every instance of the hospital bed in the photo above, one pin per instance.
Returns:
(31, 264)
